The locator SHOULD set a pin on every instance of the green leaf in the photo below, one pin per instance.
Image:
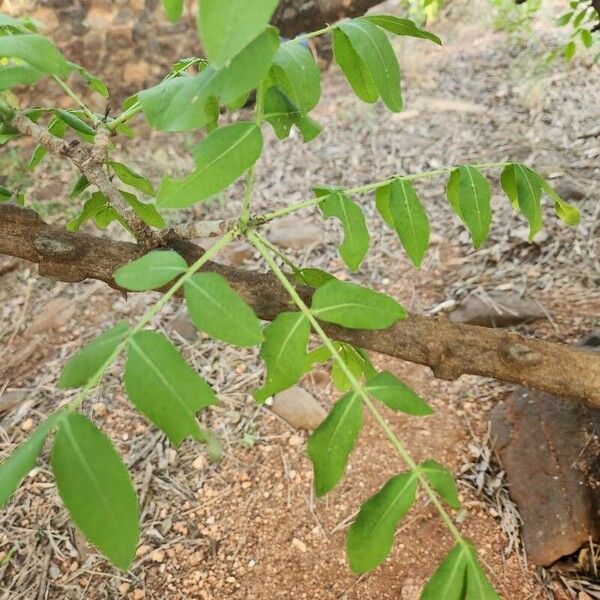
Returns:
(450, 579)
(509, 185)
(371, 536)
(396, 395)
(80, 185)
(529, 194)
(356, 236)
(354, 364)
(181, 104)
(15, 467)
(85, 364)
(442, 481)
(354, 67)
(382, 203)
(564, 19)
(587, 38)
(173, 9)
(129, 177)
(12, 75)
(284, 352)
(96, 488)
(569, 50)
(151, 271)
(75, 122)
(228, 26)
(246, 71)
(314, 278)
(565, 211)
(281, 113)
(478, 585)
(470, 196)
(165, 388)
(146, 212)
(354, 306)
(220, 312)
(93, 82)
(409, 218)
(37, 51)
(374, 48)
(221, 158)
(91, 209)
(404, 27)
(331, 443)
(295, 72)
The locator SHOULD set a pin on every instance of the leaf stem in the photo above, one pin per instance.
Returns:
(93, 117)
(260, 219)
(259, 244)
(312, 34)
(245, 214)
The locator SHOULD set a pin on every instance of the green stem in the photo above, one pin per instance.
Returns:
(259, 244)
(260, 219)
(90, 115)
(312, 34)
(150, 313)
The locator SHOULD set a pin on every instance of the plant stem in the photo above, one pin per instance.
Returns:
(93, 117)
(259, 244)
(245, 214)
(260, 219)
(150, 313)
(312, 34)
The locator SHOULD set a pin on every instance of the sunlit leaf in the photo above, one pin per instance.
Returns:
(37, 51)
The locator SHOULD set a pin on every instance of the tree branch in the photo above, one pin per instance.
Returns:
(448, 348)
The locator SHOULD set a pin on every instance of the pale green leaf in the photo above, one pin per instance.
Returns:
(37, 51)
(331, 443)
(12, 75)
(312, 277)
(173, 9)
(145, 211)
(374, 48)
(355, 246)
(409, 218)
(442, 482)
(354, 306)
(165, 388)
(284, 352)
(96, 488)
(129, 177)
(565, 211)
(17, 465)
(389, 390)
(371, 536)
(220, 312)
(228, 26)
(151, 271)
(400, 26)
(221, 158)
(86, 363)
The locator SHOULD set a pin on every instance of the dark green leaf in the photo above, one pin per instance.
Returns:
(409, 218)
(228, 26)
(164, 388)
(128, 176)
(450, 579)
(296, 74)
(396, 395)
(470, 196)
(509, 185)
(86, 363)
(331, 443)
(442, 481)
(151, 271)
(221, 157)
(92, 207)
(402, 27)
(382, 203)
(220, 312)
(284, 352)
(36, 50)
(75, 122)
(356, 236)
(354, 306)
(96, 489)
(374, 48)
(354, 67)
(478, 585)
(529, 194)
(371, 536)
(281, 113)
(17, 465)
(80, 185)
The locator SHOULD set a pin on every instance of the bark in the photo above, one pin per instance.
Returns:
(301, 16)
(449, 349)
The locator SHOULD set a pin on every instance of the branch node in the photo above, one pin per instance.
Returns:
(521, 355)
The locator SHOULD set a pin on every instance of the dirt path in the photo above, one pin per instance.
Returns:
(251, 527)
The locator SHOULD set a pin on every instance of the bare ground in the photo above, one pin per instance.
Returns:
(250, 527)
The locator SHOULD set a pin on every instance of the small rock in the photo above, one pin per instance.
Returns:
(299, 408)
(505, 309)
(123, 588)
(183, 325)
(200, 462)
(27, 425)
(158, 556)
(55, 315)
(295, 233)
(143, 550)
(295, 440)
(299, 545)
(171, 456)
(100, 409)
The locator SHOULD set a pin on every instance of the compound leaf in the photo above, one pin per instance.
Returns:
(96, 488)
(331, 443)
(151, 271)
(220, 312)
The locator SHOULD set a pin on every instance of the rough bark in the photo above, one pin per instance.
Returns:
(298, 16)
(449, 349)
